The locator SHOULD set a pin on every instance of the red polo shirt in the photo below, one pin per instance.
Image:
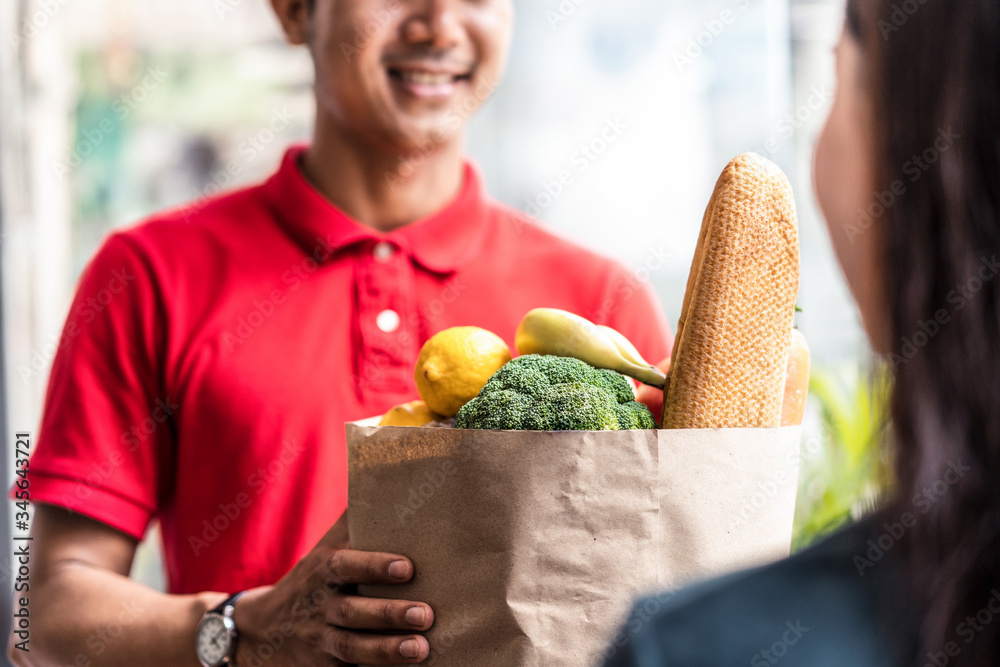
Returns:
(213, 354)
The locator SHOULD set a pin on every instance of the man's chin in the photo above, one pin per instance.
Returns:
(422, 139)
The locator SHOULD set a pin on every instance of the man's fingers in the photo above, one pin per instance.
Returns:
(361, 613)
(357, 648)
(346, 566)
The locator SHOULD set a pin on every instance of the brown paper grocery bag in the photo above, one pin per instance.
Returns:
(530, 546)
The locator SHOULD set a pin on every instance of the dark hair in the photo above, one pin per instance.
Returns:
(936, 85)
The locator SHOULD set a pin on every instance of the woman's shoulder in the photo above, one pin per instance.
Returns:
(815, 608)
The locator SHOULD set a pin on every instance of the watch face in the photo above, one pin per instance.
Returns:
(214, 639)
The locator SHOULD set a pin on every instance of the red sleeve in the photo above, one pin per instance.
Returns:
(105, 445)
(631, 307)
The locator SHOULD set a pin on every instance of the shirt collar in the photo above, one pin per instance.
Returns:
(441, 242)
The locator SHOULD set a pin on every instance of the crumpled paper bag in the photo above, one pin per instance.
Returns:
(530, 546)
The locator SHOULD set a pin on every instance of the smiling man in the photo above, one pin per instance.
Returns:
(211, 392)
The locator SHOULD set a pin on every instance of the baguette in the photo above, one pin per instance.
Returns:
(730, 354)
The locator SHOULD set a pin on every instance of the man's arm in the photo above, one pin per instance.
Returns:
(86, 611)
(84, 608)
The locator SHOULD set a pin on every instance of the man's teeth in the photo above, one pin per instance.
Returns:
(426, 78)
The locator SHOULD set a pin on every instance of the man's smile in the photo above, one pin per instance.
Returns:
(428, 79)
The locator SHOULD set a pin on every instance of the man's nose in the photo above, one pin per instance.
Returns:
(434, 23)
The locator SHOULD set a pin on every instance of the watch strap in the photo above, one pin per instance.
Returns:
(225, 607)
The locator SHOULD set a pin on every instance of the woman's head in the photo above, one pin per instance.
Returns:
(845, 174)
(908, 177)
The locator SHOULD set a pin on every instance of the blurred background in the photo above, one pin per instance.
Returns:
(113, 109)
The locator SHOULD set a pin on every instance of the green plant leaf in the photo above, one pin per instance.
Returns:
(849, 474)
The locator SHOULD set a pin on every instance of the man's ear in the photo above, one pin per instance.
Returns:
(294, 18)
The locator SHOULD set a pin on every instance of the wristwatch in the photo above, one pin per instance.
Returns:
(215, 641)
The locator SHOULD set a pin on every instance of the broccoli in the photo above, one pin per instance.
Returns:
(551, 393)
(497, 410)
(613, 383)
(572, 406)
(633, 415)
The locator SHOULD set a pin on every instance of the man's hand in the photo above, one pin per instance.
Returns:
(313, 617)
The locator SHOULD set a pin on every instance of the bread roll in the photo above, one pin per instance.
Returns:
(793, 409)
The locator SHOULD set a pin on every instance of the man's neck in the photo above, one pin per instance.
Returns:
(379, 189)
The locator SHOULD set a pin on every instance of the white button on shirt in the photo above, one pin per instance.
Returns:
(387, 321)
(383, 251)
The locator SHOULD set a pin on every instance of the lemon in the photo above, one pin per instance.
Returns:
(414, 413)
(455, 364)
